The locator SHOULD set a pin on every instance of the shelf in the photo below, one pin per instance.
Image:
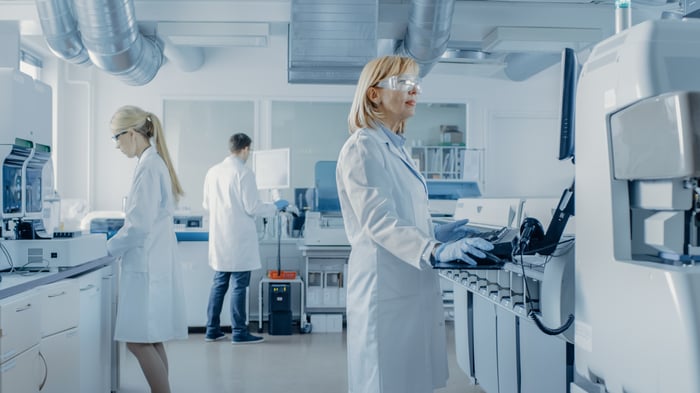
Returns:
(448, 162)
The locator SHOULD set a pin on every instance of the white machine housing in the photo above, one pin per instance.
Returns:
(40, 254)
(637, 314)
(25, 146)
(25, 108)
(324, 230)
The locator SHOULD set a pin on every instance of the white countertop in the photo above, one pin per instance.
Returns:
(16, 282)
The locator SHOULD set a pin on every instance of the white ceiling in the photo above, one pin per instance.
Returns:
(232, 23)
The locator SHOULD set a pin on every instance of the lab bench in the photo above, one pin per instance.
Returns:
(61, 321)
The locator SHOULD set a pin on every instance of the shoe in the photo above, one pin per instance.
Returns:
(218, 337)
(247, 339)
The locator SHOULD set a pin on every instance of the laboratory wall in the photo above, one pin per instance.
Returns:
(515, 123)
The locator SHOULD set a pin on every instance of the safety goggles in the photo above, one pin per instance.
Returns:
(116, 136)
(403, 82)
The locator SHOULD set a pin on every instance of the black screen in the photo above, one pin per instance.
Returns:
(568, 103)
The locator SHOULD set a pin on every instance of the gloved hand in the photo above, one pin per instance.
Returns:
(460, 248)
(445, 233)
(291, 209)
(281, 204)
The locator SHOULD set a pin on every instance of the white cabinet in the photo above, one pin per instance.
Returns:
(326, 269)
(60, 338)
(20, 322)
(93, 344)
(197, 279)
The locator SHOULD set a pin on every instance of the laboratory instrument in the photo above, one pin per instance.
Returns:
(637, 307)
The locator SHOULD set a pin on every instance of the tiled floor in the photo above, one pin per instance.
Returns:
(291, 364)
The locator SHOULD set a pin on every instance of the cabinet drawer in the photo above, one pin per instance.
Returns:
(60, 306)
(20, 321)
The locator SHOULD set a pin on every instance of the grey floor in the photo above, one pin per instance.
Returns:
(290, 364)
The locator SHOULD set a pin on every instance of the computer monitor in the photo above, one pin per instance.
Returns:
(570, 70)
(271, 168)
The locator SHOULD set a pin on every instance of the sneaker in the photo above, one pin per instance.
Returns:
(247, 339)
(217, 337)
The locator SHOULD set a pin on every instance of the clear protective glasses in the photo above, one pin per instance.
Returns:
(403, 82)
(116, 136)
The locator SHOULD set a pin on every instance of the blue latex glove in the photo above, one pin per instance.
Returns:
(281, 204)
(445, 233)
(459, 249)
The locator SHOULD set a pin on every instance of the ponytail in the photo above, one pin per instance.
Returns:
(162, 149)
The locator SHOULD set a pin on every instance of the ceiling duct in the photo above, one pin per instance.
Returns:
(114, 43)
(428, 32)
(61, 31)
(330, 42)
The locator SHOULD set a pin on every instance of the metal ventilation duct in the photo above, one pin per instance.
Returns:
(61, 31)
(330, 42)
(428, 32)
(114, 43)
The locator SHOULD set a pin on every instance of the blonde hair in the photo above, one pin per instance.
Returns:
(364, 113)
(148, 125)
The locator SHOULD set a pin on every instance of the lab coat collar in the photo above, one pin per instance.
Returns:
(400, 152)
(235, 159)
(396, 139)
(147, 152)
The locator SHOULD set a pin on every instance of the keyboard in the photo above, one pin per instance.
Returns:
(503, 240)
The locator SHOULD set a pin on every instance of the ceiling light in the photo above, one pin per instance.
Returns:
(215, 34)
(539, 39)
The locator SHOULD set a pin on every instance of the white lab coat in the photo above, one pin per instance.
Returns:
(151, 305)
(232, 199)
(396, 332)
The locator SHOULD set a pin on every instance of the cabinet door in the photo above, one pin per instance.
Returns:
(20, 321)
(62, 362)
(60, 306)
(108, 347)
(19, 374)
(90, 331)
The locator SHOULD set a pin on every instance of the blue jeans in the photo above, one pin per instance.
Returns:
(240, 281)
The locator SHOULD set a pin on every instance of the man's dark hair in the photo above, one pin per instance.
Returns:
(238, 142)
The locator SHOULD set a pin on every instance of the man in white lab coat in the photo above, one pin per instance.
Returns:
(232, 199)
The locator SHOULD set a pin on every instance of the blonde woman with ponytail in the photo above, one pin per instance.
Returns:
(151, 295)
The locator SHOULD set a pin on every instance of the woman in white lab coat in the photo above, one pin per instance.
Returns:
(151, 295)
(395, 320)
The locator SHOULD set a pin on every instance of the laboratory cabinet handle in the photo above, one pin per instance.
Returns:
(23, 308)
(87, 288)
(46, 371)
(57, 294)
